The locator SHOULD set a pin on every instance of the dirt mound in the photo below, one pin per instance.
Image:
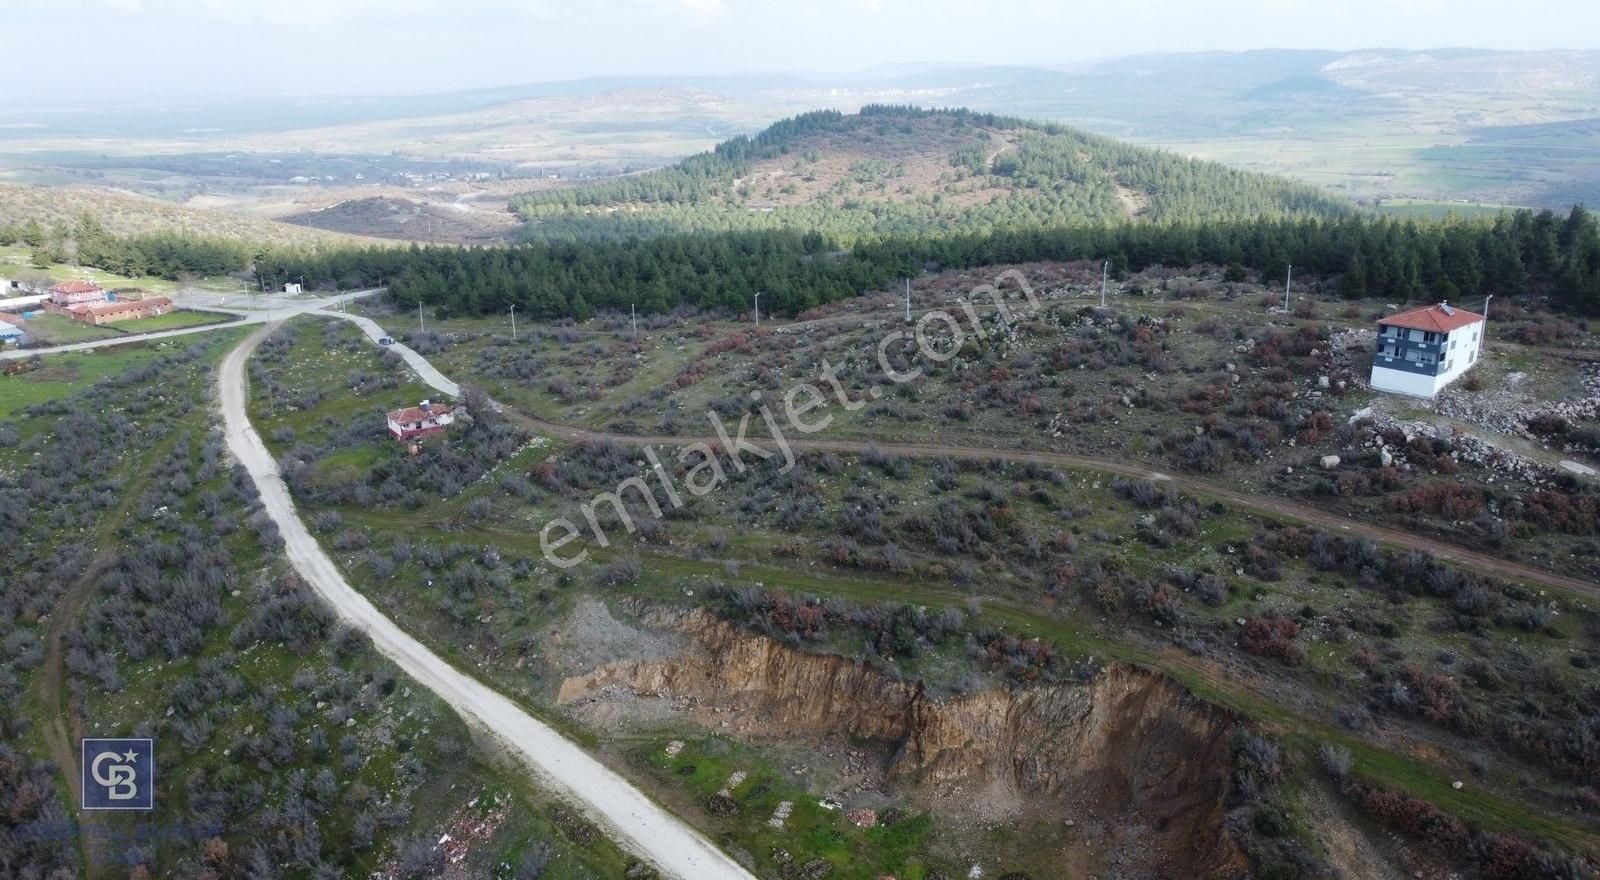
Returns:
(1129, 744)
(409, 220)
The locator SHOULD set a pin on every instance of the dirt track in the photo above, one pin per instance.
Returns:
(634, 820)
(1278, 508)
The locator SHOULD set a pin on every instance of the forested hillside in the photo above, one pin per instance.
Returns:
(1517, 254)
(901, 171)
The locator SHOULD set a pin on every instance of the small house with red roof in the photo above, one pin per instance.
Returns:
(1421, 350)
(419, 421)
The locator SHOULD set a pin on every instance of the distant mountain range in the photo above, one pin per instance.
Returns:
(1407, 130)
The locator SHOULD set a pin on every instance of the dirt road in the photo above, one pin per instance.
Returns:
(1276, 507)
(635, 821)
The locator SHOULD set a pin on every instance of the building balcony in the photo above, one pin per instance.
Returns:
(1399, 362)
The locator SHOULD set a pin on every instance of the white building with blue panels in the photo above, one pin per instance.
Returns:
(1422, 350)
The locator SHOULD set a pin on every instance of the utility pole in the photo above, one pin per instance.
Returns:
(633, 310)
(420, 319)
(908, 300)
(1289, 276)
(758, 311)
(1105, 271)
(513, 322)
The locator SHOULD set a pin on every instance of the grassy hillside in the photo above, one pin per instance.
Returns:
(894, 170)
(132, 215)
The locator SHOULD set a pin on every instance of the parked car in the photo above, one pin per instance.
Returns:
(386, 340)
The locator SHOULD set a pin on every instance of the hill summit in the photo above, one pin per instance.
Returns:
(903, 170)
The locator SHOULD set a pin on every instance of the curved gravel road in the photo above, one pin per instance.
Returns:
(638, 823)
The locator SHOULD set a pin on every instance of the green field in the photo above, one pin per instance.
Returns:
(1426, 209)
(55, 329)
(62, 374)
(173, 321)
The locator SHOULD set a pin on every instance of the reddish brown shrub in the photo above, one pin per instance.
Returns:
(1272, 635)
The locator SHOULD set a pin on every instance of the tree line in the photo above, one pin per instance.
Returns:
(1516, 253)
(1401, 260)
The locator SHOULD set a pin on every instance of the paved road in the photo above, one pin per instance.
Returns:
(1276, 507)
(419, 364)
(264, 316)
(633, 819)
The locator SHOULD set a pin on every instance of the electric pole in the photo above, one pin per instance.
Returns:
(1288, 276)
(908, 300)
(634, 311)
(1105, 271)
(758, 311)
(513, 322)
(420, 319)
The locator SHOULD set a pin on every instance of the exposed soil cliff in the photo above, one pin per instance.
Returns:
(1131, 745)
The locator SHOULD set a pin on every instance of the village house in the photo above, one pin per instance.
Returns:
(1422, 350)
(123, 310)
(419, 421)
(11, 334)
(76, 292)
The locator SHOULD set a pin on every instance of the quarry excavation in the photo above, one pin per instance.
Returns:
(1133, 744)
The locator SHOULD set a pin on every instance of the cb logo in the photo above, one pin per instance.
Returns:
(119, 774)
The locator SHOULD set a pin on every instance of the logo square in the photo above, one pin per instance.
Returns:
(119, 774)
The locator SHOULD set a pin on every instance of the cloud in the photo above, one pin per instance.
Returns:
(703, 8)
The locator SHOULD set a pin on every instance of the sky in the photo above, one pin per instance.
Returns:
(160, 48)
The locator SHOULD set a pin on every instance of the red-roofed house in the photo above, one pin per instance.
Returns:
(120, 310)
(420, 420)
(1422, 350)
(75, 292)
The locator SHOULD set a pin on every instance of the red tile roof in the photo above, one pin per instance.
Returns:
(112, 308)
(76, 286)
(413, 414)
(1441, 318)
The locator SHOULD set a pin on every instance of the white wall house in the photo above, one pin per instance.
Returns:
(419, 421)
(1420, 351)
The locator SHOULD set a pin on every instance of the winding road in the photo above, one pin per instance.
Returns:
(1272, 506)
(633, 819)
(638, 823)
